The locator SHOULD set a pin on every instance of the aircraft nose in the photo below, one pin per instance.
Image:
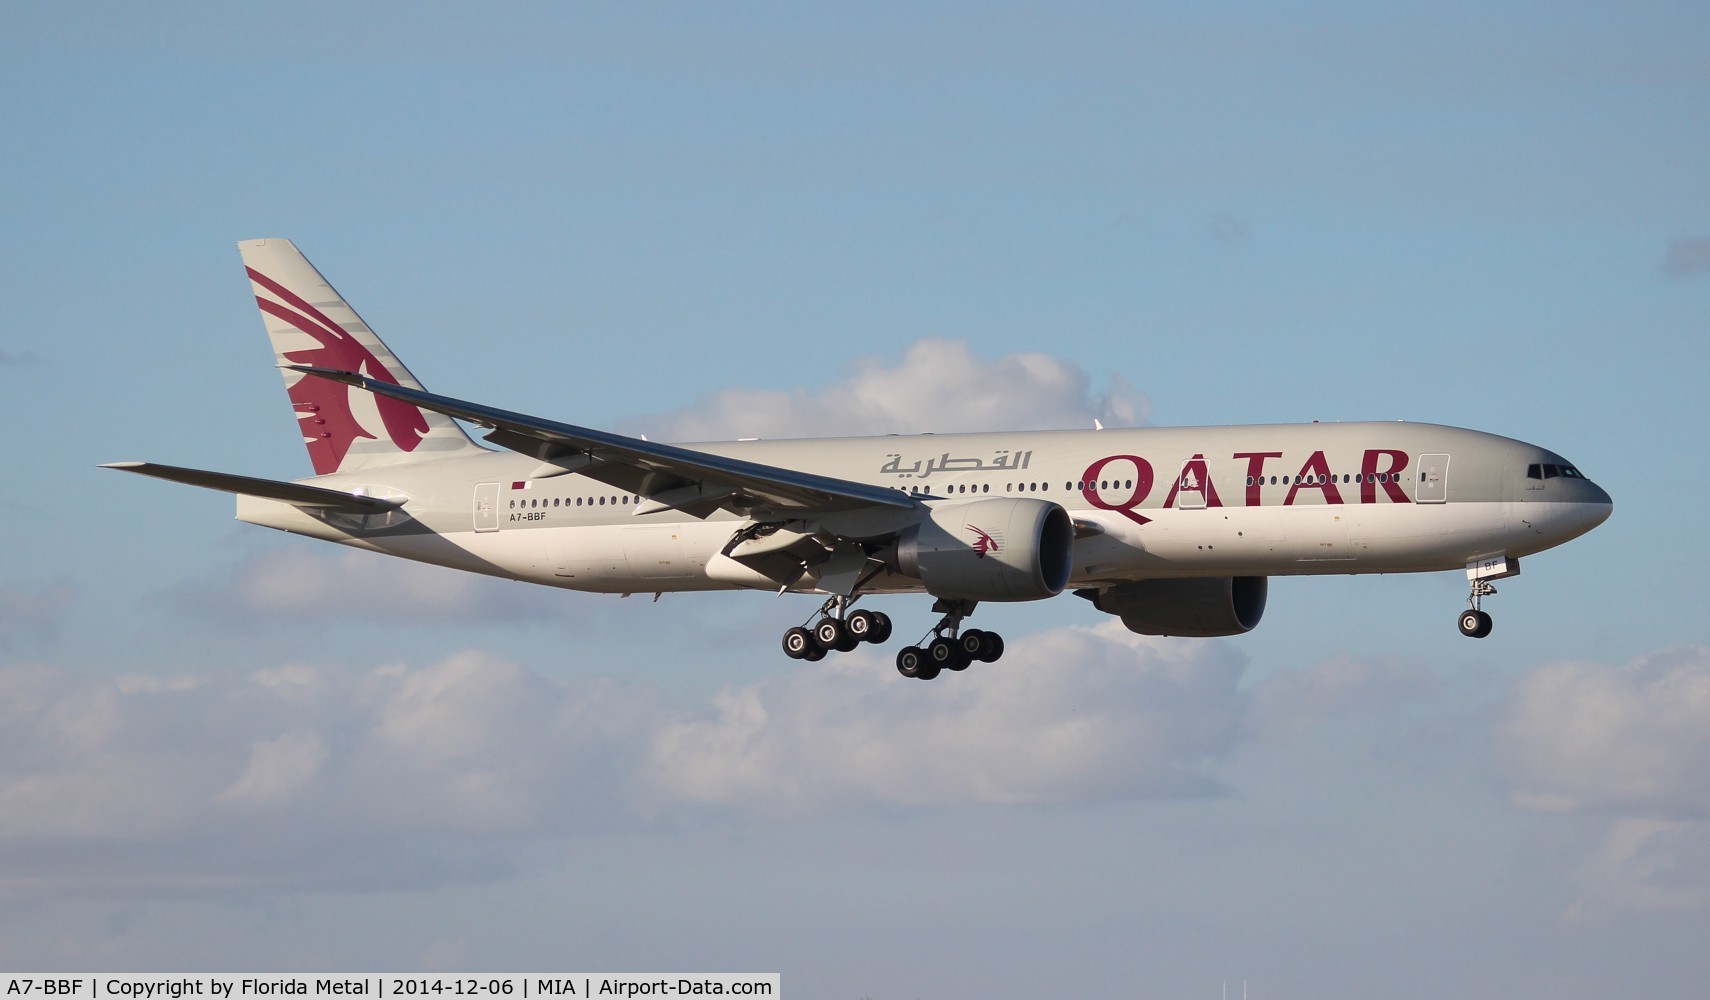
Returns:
(1600, 505)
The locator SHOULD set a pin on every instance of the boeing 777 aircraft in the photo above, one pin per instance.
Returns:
(1174, 530)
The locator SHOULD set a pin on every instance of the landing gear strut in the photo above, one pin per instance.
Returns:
(836, 631)
(1474, 622)
(950, 648)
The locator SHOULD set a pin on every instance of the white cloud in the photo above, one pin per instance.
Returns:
(1630, 740)
(1655, 865)
(401, 776)
(1071, 715)
(938, 385)
(316, 582)
(1687, 258)
(279, 769)
(1632, 744)
(303, 775)
(31, 613)
(1290, 704)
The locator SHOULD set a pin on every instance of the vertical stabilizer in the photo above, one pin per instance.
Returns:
(309, 323)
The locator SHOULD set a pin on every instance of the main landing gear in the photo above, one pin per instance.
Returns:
(950, 648)
(838, 630)
(841, 630)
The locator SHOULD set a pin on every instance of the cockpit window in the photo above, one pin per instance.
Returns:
(1548, 471)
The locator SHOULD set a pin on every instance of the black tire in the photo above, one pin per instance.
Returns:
(881, 629)
(814, 655)
(797, 642)
(972, 644)
(1474, 624)
(1484, 625)
(946, 654)
(993, 648)
(910, 661)
(861, 625)
(927, 673)
(830, 633)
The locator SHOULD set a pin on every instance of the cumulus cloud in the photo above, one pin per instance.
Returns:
(938, 385)
(408, 776)
(1647, 864)
(302, 776)
(1631, 744)
(1291, 704)
(1070, 715)
(1629, 740)
(1687, 258)
(311, 582)
(31, 613)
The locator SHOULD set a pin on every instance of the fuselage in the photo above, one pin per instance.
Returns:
(1259, 500)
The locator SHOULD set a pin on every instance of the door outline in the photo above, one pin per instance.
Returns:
(486, 506)
(1433, 484)
(1190, 497)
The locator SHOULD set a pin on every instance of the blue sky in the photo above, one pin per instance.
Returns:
(224, 748)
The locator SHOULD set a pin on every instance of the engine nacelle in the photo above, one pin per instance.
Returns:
(1224, 605)
(1008, 549)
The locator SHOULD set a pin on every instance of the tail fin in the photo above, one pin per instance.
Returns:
(310, 324)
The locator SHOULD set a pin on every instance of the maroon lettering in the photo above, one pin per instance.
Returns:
(1142, 486)
(1256, 473)
(1371, 475)
(1315, 475)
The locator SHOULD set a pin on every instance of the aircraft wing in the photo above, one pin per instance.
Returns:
(669, 477)
(292, 493)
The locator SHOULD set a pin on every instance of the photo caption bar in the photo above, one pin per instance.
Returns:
(433, 986)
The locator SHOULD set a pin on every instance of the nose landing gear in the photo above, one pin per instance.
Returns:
(1474, 622)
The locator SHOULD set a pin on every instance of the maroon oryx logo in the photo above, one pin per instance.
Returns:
(325, 404)
(983, 541)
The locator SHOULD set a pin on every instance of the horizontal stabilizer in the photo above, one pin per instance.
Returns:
(292, 493)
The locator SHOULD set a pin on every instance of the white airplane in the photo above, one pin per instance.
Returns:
(1174, 530)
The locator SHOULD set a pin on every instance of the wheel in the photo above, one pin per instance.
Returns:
(972, 643)
(910, 660)
(927, 672)
(868, 626)
(993, 648)
(1475, 624)
(829, 633)
(797, 642)
(814, 655)
(946, 654)
(1484, 625)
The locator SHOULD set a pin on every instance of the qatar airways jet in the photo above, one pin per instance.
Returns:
(1173, 530)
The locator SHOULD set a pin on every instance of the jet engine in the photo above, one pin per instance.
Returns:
(1224, 605)
(1008, 549)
